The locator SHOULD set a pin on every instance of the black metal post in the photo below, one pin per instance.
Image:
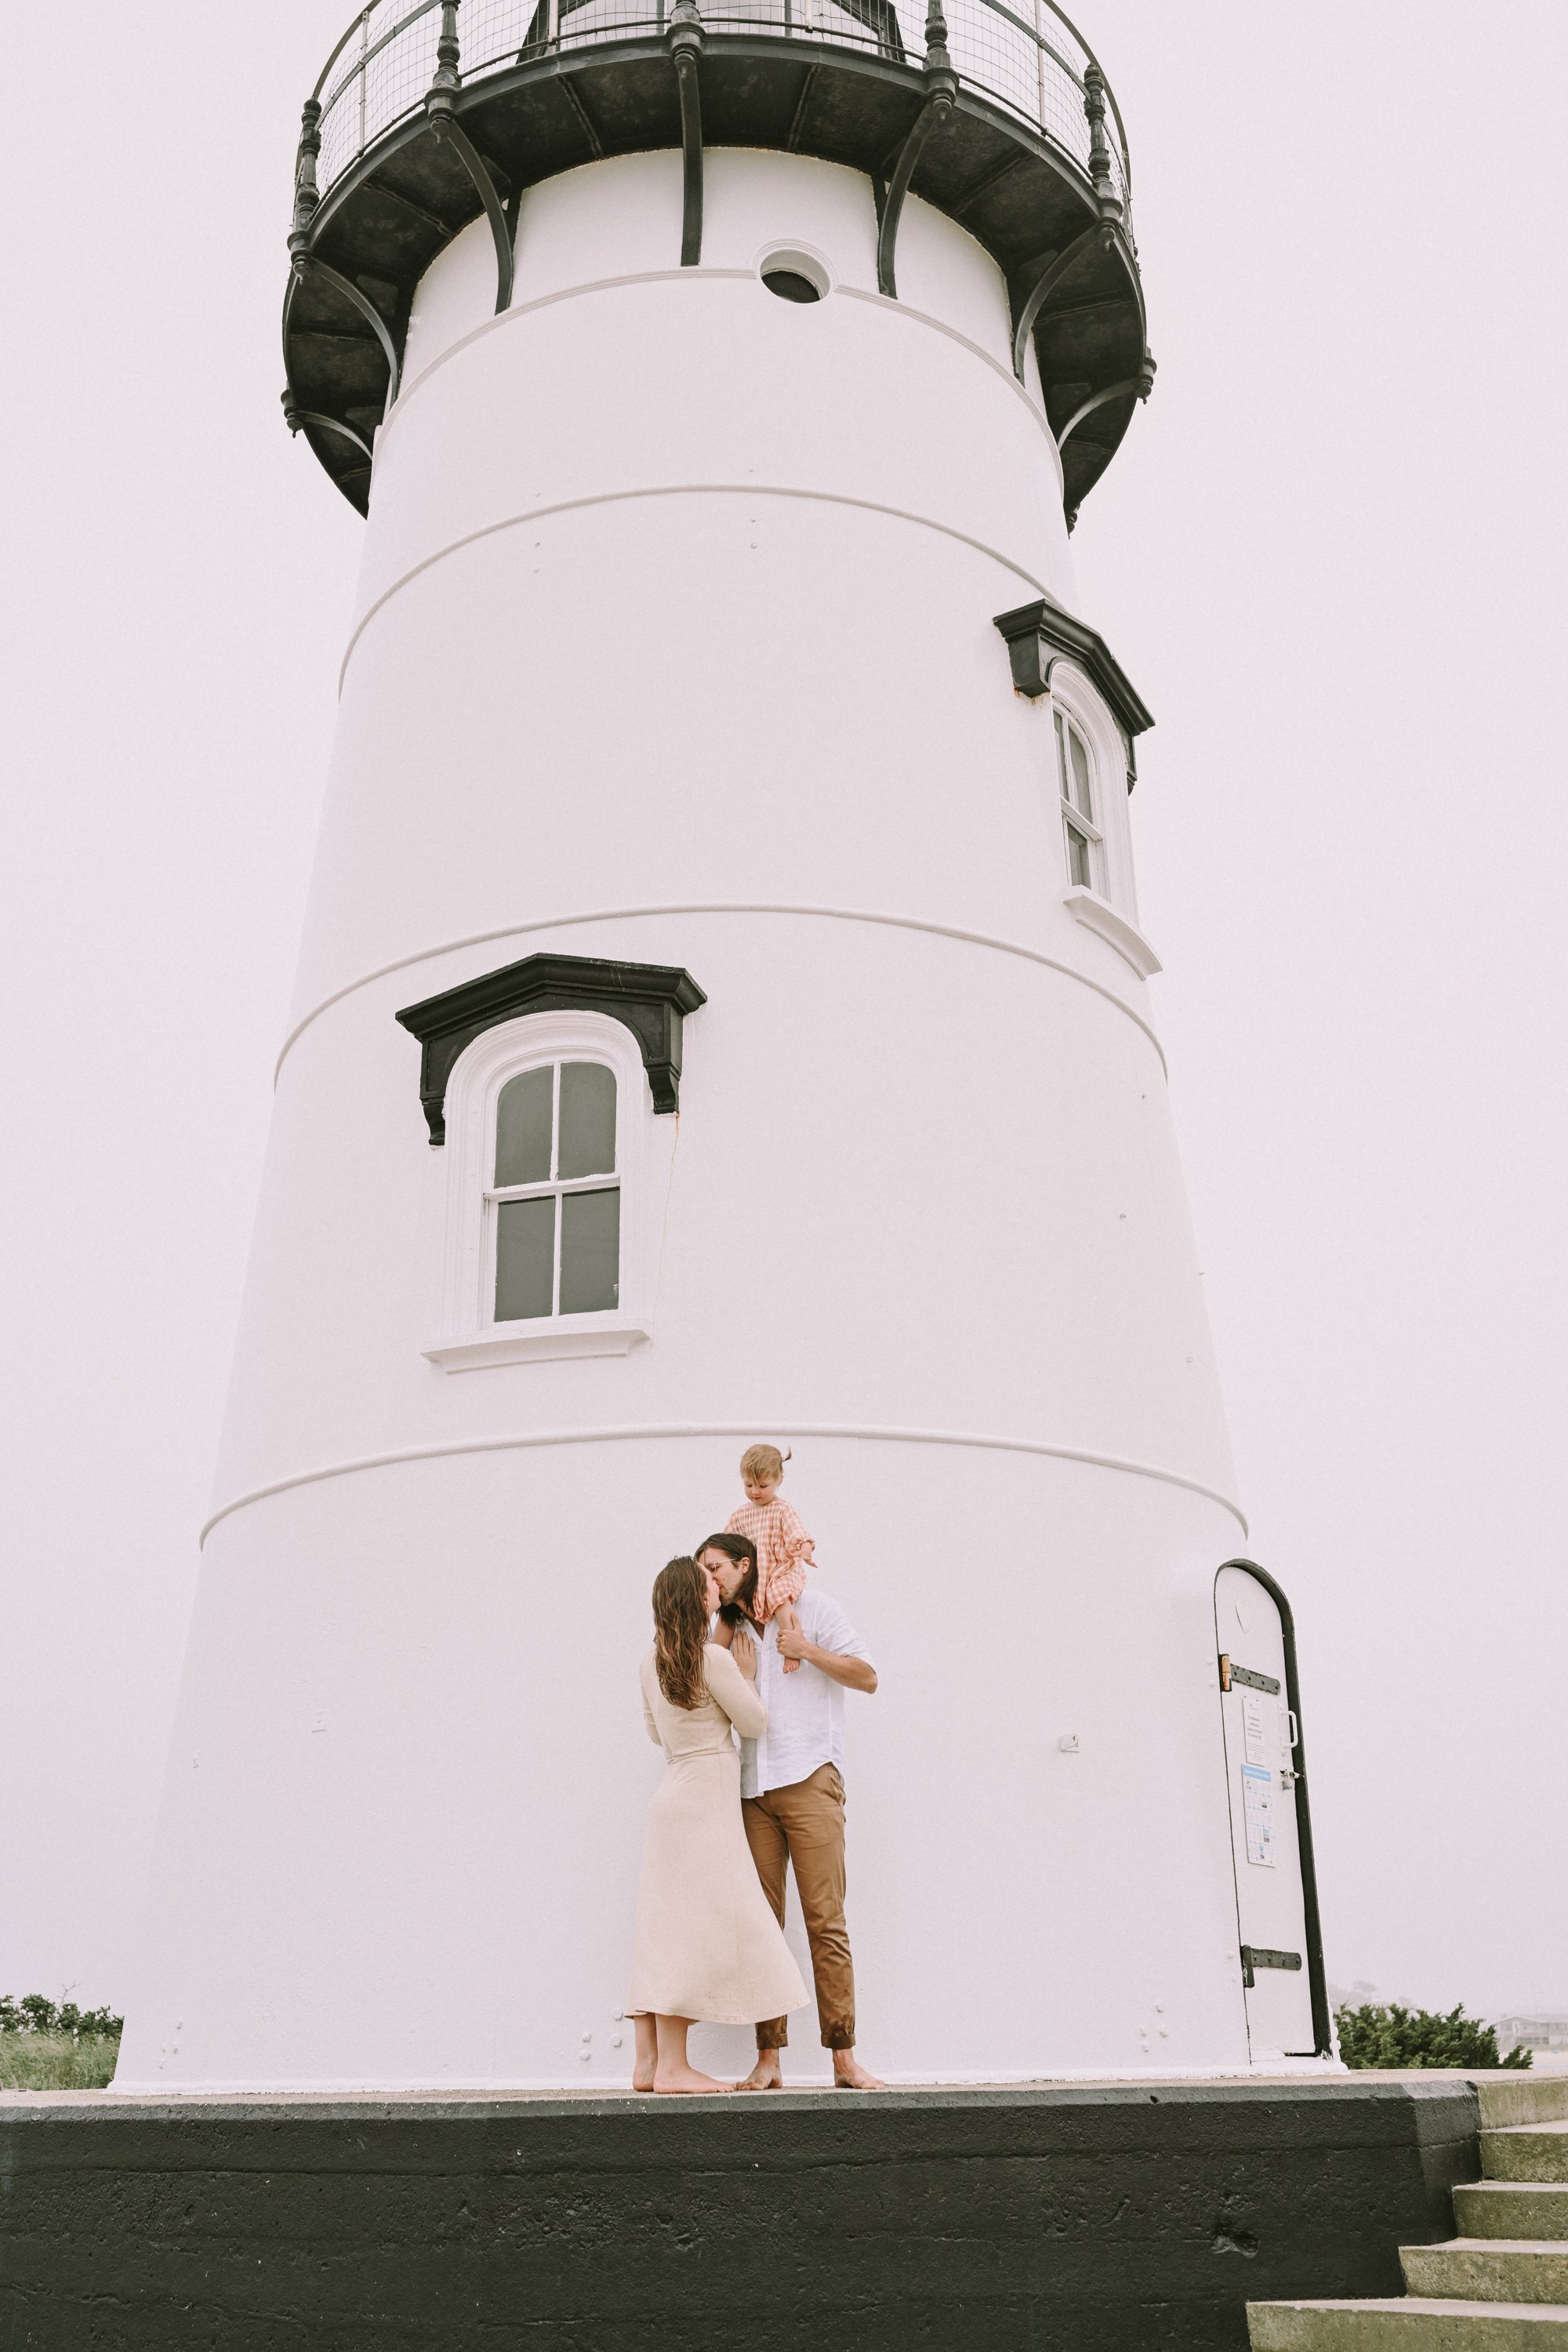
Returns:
(685, 39)
(1110, 208)
(307, 196)
(448, 55)
(941, 85)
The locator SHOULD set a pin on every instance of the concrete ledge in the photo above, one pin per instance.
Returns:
(1522, 2098)
(1069, 2218)
(1512, 2209)
(1533, 2152)
(1419, 2323)
(1489, 2270)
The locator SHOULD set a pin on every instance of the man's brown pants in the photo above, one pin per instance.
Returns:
(805, 1825)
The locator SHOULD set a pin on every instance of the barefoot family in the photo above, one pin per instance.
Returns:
(745, 1651)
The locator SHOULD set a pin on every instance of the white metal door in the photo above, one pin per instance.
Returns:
(1260, 1737)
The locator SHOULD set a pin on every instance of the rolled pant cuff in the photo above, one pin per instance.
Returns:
(774, 2035)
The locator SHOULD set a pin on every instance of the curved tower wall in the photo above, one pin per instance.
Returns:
(674, 644)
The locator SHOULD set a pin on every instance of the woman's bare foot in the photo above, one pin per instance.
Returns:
(848, 2074)
(674, 2081)
(767, 2074)
(643, 2076)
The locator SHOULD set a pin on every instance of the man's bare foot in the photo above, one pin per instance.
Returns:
(767, 2074)
(848, 2074)
(675, 2081)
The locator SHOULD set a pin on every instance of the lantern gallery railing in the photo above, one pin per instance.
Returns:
(1023, 55)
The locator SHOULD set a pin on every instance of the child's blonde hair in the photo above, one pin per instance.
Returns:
(763, 1464)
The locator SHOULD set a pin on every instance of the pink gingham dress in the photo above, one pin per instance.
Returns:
(784, 1551)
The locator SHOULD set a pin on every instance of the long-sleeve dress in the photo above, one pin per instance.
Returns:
(708, 1945)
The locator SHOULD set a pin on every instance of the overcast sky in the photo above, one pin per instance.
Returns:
(1330, 557)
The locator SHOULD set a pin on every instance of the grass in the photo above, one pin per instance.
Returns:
(57, 2061)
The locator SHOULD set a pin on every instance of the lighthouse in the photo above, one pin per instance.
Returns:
(722, 1014)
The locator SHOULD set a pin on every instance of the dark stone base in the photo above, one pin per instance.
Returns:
(1071, 2217)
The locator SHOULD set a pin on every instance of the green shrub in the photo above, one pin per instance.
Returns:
(35, 2014)
(46, 2047)
(1419, 2037)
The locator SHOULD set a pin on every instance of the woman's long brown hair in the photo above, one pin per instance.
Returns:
(681, 1632)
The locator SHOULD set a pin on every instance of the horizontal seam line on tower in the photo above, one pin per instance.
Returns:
(721, 906)
(675, 490)
(695, 277)
(455, 1446)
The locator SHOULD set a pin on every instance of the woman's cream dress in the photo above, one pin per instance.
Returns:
(708, 1945)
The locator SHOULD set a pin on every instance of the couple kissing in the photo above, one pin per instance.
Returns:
(728, 1821)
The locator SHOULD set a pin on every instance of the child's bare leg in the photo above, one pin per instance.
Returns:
(648, 2053)
(788, 1623)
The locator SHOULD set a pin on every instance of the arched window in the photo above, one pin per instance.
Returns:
(554, 1222)
(1076, 781)
(556, 1182)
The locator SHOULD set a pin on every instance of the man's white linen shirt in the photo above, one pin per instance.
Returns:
(805, 1709)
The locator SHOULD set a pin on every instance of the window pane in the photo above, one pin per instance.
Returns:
(1078, 858)
(525, 1257)
(588, 1119)
(523, 1120)
(1079, 751)
(1061, 753)
(590, 1251)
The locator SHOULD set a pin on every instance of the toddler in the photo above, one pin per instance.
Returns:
(783, 1547)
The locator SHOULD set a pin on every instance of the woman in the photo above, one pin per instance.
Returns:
(708, 1946)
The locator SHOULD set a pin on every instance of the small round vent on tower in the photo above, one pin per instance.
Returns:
(794, 277)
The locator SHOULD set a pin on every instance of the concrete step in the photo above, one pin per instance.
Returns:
(1489, 2270)
(1416, 2324)
(1529, 2152)
(1512, 2209)
(1524, 2098)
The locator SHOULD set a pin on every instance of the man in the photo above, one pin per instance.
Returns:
(793, 1794)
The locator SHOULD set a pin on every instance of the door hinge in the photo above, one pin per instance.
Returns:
(1254, 1956)
(1229, 1673)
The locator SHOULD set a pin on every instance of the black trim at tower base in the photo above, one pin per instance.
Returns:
(1064, 2218)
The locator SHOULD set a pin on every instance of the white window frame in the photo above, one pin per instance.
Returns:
(1107, 906)
(1064, 724)
(471, 1337)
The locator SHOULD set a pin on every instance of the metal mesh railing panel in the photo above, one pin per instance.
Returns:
(877, 28)
(1020, 53)
(608, 20)
(493, 31)
(380, 75)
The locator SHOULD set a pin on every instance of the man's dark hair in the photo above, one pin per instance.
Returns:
(744, 1552)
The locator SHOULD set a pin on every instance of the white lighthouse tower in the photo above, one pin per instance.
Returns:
(722, 1015)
